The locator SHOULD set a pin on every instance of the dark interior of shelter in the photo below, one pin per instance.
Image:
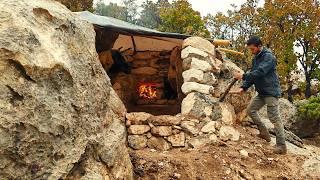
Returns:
(145, 70)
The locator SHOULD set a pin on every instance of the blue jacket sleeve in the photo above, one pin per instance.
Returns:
(246, 85)
(267, 64)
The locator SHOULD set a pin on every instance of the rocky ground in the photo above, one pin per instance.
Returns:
(250, 158)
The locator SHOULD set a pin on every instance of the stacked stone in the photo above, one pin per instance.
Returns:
(156, 132)
(165, 132)
(203, 73)
(203, 119)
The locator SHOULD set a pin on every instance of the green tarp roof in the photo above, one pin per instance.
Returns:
(125, 27)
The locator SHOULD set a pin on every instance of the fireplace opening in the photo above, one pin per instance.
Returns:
(145, 71)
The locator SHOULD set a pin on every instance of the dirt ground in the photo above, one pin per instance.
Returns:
(223, 161)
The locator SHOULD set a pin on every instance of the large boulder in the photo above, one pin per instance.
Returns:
(59, 117)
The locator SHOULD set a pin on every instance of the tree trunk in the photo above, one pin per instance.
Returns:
(290, 95)
(308, 87)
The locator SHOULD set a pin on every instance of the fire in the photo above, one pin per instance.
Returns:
(147, 91)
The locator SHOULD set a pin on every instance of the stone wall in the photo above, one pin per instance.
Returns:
(203, 119)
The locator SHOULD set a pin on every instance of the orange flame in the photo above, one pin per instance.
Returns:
(147, 91)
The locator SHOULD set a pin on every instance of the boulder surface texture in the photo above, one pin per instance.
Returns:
(59, 117)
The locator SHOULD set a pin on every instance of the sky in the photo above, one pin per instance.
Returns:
(203, 6)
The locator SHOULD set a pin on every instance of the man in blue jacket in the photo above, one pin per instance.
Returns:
(263, 75)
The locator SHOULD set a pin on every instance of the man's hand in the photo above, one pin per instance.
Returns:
(238, 75)
(237, 91)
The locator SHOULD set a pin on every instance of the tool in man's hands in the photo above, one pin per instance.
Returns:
(227, 90)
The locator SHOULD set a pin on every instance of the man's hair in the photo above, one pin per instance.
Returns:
(254, 40)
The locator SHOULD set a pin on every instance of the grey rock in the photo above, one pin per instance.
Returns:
(229, 133)
(137, 141)
(58, 111)
(200, 141)
(189, 127)
(161, 130)
(189, 87)
(177, 140)
(209, 127)
(138, 129)
(158, 143)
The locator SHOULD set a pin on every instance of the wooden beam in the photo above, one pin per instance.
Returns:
(230, 51)
(221, 42)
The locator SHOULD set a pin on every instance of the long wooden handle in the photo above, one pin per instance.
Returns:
(230, 51)
(227, 90)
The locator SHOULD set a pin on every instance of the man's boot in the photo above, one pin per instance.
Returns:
(280, 149)
(264, 134)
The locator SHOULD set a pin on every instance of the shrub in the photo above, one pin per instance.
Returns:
(310, 110)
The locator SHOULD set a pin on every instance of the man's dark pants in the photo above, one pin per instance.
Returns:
(273, 113)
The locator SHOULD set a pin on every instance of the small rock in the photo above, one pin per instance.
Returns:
(177, 140)
(189, 127)
(149, 135)
(151, 125)
(244, 153)
(228, 171)
(200, 141)
(213, 138)
(176, 175)
(138, 129)
(195, 121)
(175, 131)
(209, 127)
(137, 141)
(158, 143)
(270, 159)
(161, 130)
(177, 127)
(229, 133)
